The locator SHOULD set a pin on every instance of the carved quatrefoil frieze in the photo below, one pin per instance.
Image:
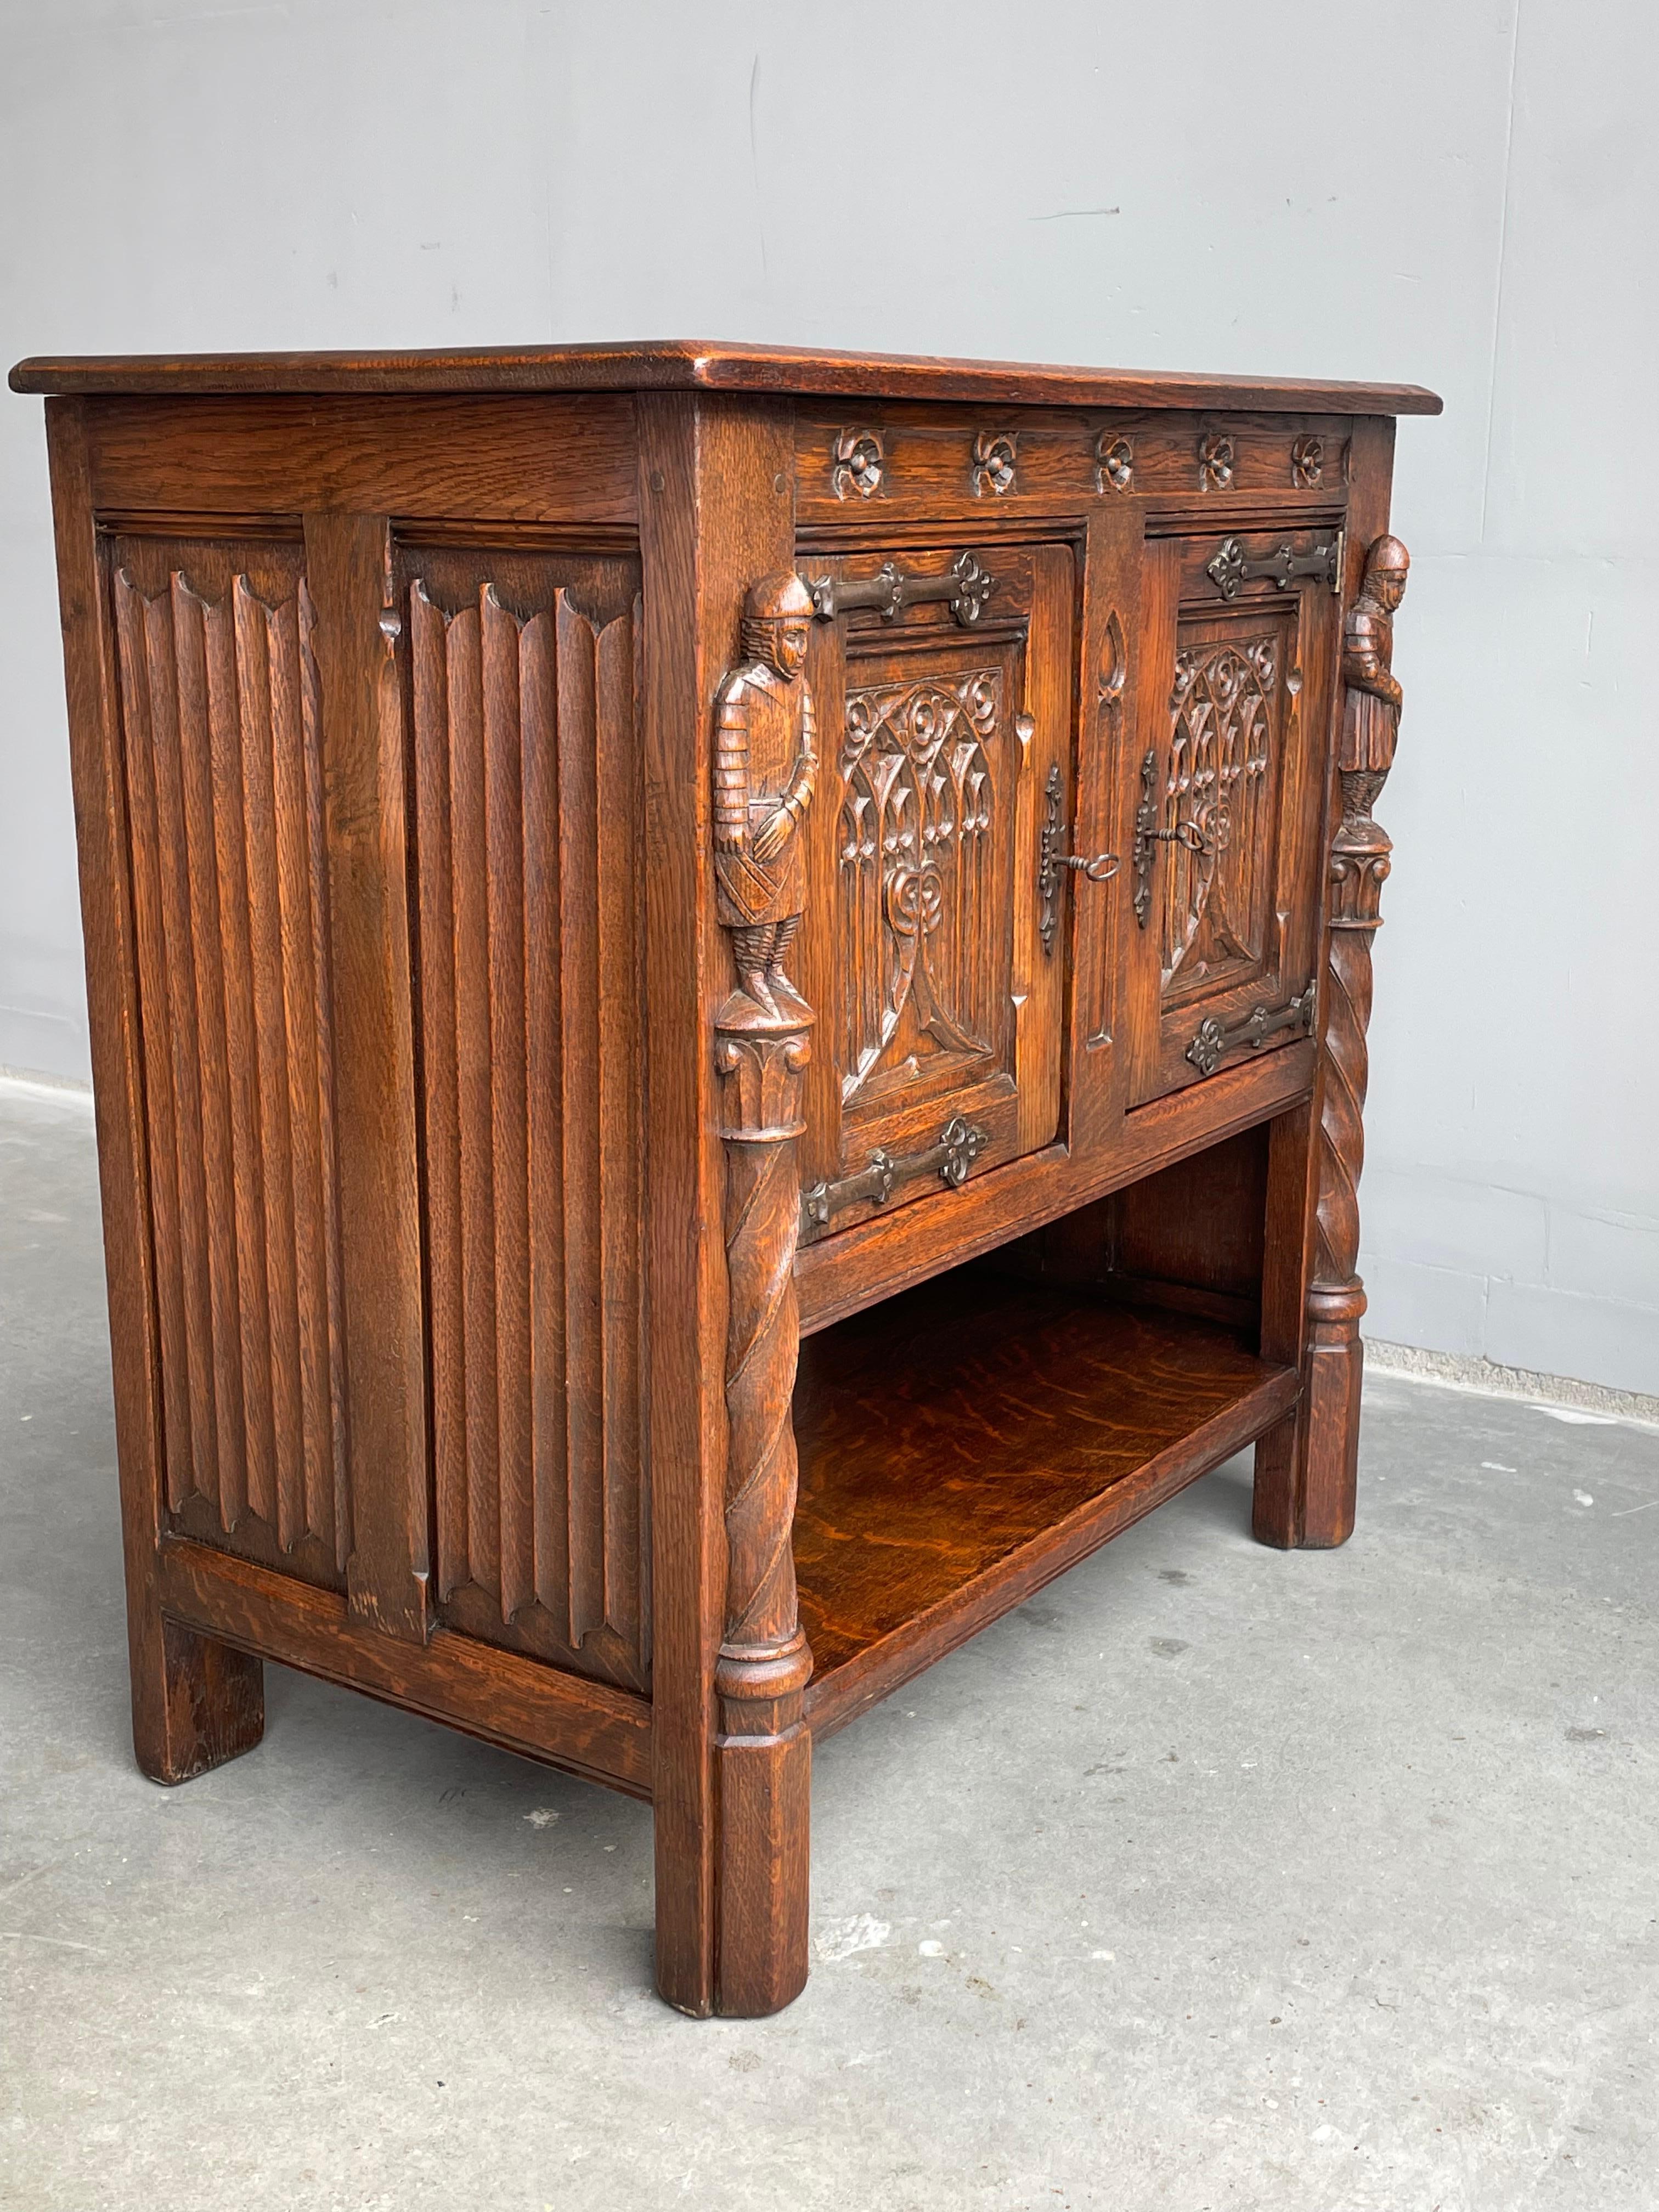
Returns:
(994, 461)
(856, 464)
(1307, 462)
(1115, 459)
(1215, 461)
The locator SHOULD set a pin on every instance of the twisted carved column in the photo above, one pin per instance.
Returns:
(762, 1055)
(765, 767)
(1323, 1504)
(1336, 1296)
(765, 1750)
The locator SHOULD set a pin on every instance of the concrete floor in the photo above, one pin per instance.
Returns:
(1212, 1877)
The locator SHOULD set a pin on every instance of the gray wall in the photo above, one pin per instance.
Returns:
(1462, 193)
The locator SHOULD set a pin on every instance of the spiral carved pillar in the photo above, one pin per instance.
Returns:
(765, 770)
(1306, 1468)
(764, 1749)
(1336, 1296)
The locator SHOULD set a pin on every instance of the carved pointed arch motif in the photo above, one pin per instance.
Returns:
(1225, 709)
(526, 886)
(916, 882)
(1113, 677)
(222, 728)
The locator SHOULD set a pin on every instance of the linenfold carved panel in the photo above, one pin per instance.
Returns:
(1225, 711)
(222, 729)
(919, 904)
(527, 873)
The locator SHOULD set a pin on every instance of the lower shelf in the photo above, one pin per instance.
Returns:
(964, 1443)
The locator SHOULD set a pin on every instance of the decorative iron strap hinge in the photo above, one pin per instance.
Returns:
(957, 1145)
(965, 587)
(1052, 864)
(1229, 567)
(1214, 1040)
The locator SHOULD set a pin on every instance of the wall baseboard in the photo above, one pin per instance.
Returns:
(34, 1079)
(1453, 1371)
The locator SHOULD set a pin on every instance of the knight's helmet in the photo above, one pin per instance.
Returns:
(1387, 558)
(771, 602)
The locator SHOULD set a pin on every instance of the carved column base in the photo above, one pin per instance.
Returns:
(764, 1758)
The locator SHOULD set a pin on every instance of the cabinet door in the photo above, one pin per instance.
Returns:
(223, 743)
(1224, 864)
(518, 668)
(943, 723)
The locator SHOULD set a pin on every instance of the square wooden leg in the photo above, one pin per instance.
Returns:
(196, 1703)
(764, 1881)
(1307, 1468)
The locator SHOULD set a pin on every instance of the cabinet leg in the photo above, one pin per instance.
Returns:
(765, 1783)
(1307, 1468)
(196, 1703)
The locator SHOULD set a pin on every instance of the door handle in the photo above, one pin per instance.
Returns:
(1148, 836)
(1052, 864)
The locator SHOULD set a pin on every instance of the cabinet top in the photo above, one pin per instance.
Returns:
(683, 364)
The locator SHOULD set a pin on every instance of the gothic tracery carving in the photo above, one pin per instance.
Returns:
(1222, 715)
(916, 892)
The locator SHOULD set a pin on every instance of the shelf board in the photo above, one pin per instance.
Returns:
(964, 1442)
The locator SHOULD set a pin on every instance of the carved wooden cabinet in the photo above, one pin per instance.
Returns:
(728, 993)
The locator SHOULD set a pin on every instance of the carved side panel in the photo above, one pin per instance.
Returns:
(222, 729)
(923, 812)
(528, 909)
(1226, 713)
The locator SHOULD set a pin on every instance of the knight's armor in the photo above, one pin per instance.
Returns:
(1370, 720)
(765, 766)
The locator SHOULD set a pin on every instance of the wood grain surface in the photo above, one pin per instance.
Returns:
(670, 364)
(964, 1440)
(520, 1703)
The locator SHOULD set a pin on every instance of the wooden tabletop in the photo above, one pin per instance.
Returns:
(683, 363)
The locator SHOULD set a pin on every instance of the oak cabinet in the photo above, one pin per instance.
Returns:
(728, 993)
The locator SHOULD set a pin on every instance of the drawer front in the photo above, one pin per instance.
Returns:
(946, 722)
(1224, 868)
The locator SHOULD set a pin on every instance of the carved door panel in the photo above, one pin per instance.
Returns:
(221, 732)
(943, 679)
(1224, 864)
(518, 676)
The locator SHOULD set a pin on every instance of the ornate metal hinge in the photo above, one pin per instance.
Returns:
(1053, 863)
(965, 586)
(1214, 1040)
(951, 1155)
(1228, 567)
(1149, 836)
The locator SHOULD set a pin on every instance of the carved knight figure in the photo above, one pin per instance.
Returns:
(765, 767)
(1370, 721)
